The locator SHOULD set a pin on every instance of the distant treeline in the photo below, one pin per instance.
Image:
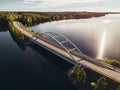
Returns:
(36, 18)
(33, 18)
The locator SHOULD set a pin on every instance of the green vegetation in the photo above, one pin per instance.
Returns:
(5, 18)
(92, 84)
(101, 84)
(16, 32)
(9, 16)
(112, 62)
(33, 18)
(31, 31)
(79, 74)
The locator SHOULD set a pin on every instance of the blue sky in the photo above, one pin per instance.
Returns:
(60, 5)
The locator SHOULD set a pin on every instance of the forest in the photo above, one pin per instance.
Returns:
(33, 18)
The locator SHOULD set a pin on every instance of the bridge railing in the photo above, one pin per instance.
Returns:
(53, 39)
(61, 42)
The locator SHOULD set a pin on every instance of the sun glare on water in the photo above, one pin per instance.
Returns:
(102, 46)
(107, 21)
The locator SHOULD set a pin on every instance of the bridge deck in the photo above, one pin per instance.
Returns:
(104, 71)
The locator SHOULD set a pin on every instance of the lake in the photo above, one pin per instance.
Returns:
(26, 66)
(96, 37)
(29, 67)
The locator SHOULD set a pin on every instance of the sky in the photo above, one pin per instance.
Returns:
(60, 5)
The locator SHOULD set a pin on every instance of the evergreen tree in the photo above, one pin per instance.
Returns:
(101, 84)
(79, 74)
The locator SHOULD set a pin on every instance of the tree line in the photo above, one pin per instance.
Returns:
(33, 18)
(102, 83)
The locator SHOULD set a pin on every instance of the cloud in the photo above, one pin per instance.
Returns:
(30, 1)
(59, 2)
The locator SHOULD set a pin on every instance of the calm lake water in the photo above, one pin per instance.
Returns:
(30, 67)
(96, 37)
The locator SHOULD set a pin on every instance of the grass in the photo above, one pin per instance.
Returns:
(112, 62)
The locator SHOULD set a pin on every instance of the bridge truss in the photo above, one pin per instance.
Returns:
(64, 43)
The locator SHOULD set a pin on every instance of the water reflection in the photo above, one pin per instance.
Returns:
(17, 41)
(102, 46)
(3, 29)
(107, 21)
(25, 66)
(87, 34)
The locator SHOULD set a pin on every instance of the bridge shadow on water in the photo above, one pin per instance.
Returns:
(91, 75)
(52, 58)
(50, 70)
(48, 60)
(40, 51)
(64, 65)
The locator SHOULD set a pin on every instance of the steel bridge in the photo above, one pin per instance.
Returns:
(63, 47)
(57, 37)
(62, 42)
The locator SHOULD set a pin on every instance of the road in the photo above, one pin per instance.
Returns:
(114, 75)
